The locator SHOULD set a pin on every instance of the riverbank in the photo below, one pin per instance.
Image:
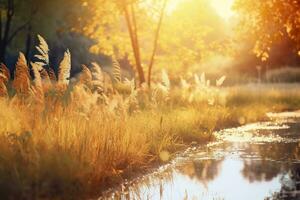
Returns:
(72, 150)
(241, 155)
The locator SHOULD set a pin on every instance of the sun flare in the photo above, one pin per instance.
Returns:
(223, 8)
(149, 99)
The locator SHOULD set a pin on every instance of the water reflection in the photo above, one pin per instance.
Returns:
(203, 171)
(290, 186)
(273, 160)
(259, 171)
(254, 169)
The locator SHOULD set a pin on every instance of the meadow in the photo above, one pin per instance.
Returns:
(63, 136)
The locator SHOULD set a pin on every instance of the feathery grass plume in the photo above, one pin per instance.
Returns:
(197, 80)
(64, 69)
(211, 101)
(165, 79)
(184, 84)
(85, 76)
(38, 87)
(203, 79)
(5, 71)
(37, 76)
(201, 82)
(161, 91)
(52, 75)
(102, 82)
(44, 74)
(43, 49)
(83, 99)
(108, 84)
(3, 89)
(97, 73)
(98, 78)
(21, 81)
(132, 100)
(116, 69)
(220, 81)
(207, 83)
(4, 78)
(131, 84)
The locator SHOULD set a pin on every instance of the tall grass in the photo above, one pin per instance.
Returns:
(63, 138)
(284, 74)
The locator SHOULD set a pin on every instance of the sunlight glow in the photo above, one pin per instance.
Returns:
(172, 4)
(223, 8)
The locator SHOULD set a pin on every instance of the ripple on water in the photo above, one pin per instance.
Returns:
(261, 133)
(257, 161)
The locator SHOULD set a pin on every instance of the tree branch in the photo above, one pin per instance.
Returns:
(25, 25)
(20, 28)
(135, 34)
(156, 37)
(134, 45)
(0, 25)
(9, 16)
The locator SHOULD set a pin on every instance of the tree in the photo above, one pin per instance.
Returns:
(119, 27)
(130, 16)
(190, 36)
(155, 45)
(22, 20)
(169, 39)
(15, 18)
(269, 22)
(133, 31)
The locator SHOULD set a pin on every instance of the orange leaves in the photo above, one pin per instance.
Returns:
(268, 22)
(261, 50)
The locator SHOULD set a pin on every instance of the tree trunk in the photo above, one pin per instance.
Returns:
(134, 41)
(135, 31)
(28, 42)
(156, 37)
(4, 40)
(0, 26)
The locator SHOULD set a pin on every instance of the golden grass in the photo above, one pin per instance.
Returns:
(67, 151)
(61, 139)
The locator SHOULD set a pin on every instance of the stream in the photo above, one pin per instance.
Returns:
(259, 161)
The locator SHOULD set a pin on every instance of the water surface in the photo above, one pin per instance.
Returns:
(253, 162)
